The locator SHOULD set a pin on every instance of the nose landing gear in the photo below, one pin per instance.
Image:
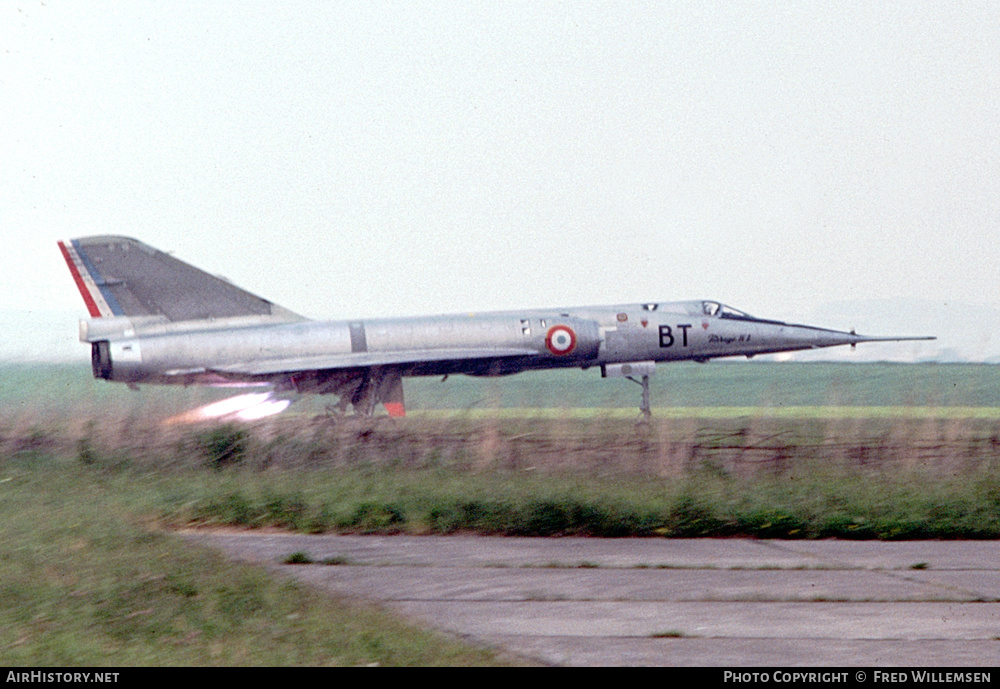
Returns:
(646, 413)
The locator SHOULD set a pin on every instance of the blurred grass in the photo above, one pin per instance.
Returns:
(759, 477)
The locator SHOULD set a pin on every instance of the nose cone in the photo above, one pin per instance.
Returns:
(789, 337)
(794, 337)
(728, 332)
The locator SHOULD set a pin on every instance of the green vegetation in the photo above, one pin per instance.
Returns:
(669, 634)
(223, 446)
(824, 504)
(765, 478)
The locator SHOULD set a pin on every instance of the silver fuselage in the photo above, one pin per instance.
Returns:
(261, 349)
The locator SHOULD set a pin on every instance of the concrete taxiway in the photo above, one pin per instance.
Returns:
(722, 602)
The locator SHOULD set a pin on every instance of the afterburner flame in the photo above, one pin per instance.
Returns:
(250, 407)
(262, 410)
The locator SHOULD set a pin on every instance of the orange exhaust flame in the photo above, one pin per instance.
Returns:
(250, 407)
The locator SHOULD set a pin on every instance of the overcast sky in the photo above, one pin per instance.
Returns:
(352, 159)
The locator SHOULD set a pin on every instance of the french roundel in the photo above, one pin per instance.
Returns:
(560, 340)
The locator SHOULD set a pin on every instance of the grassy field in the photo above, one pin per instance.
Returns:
(54, 389)
(92, 482)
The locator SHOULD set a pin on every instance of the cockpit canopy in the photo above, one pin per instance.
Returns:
(704, 308)
(714, 308)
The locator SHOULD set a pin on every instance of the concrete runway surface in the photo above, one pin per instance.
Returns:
(695, 602)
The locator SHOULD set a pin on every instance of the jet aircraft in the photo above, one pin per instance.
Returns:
(156, 319)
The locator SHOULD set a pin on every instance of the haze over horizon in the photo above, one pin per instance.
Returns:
(377, 159)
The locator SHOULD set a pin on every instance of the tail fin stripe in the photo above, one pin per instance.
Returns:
(98, 280)
(81, 285)
(121, 276)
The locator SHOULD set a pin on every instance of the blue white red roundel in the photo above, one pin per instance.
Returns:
(560, 340)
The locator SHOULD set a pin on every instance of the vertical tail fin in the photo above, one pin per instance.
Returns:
(120, 276)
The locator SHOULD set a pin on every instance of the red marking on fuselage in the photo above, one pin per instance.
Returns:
(395, 409)
(80, 284)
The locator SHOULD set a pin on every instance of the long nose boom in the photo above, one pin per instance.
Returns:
(812, 338)
(888, 338)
